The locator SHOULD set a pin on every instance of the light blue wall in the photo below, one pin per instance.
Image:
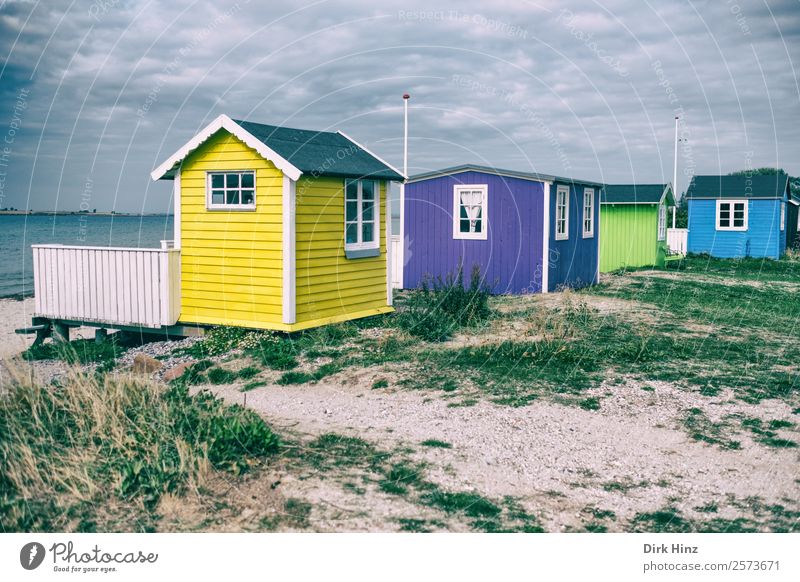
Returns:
(762, 239)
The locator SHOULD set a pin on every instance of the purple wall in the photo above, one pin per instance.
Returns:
(510, 258)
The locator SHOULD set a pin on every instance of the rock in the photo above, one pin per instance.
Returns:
(176, 372)
(144, 364)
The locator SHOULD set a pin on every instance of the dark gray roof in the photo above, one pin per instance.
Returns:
(637, 193)
(534, 176)
(322, 153)
(739, 186)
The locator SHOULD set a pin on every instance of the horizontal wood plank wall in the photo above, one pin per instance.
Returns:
(331, 287)
(762, 239)
(231, 260)
(106, 285)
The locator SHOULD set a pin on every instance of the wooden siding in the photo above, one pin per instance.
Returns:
(630, 237)
(331, 287)
(510, 259)
(573, 262)
(231, 260)
(763, 237)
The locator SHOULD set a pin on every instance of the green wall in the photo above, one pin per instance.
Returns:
(629, 237)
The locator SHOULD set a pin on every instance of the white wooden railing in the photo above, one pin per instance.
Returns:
(676, 240)
(397, 261)
(122, 286)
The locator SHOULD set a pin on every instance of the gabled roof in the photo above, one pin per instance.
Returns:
(638, 194)
(293, 151)
(739, 186)
(533, 176)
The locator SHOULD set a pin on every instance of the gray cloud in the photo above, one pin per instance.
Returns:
(586, 89)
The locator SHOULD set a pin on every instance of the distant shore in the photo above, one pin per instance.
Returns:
(77, 213)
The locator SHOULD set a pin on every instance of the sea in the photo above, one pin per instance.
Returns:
(19, 232)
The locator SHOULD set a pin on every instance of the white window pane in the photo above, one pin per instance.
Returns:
(231, 197)
(217, 196)
(217, 180)
(351, 190)
(231, 180)
(247, 197)
(248, 180)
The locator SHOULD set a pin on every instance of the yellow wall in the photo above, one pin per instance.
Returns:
(331, 287)
(231, 260)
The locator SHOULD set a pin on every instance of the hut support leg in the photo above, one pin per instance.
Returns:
(61, 332)
(100, 335)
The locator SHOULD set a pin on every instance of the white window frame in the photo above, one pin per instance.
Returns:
(376, 231)
(483, 234)
(588, 195)
(783, 215)
(662, 222)
(565, 191)
(733, 204)
(210, 205)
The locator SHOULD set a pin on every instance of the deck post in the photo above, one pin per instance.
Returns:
(100, 335)
(60, 332)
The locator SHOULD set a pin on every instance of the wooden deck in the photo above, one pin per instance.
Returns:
(108, 286)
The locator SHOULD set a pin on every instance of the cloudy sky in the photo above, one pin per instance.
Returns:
(94, 95)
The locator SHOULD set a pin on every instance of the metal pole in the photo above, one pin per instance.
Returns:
(406, 97)
(675, 173)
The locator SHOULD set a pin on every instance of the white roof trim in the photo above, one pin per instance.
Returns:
(228, 124)
(373, 154)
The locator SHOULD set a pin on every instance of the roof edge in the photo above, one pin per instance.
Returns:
(373, 154)
(531, 176)
(224, 122)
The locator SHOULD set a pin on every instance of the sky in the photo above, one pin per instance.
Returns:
(94, 95)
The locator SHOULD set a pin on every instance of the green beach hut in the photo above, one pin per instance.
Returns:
(633, 225)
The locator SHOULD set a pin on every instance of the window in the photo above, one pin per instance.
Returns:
(562, 213)
(783, 215)
(470, 211)
(361, 215)
(231, 190)
(731, 214)
(662, 222)
(588, 212)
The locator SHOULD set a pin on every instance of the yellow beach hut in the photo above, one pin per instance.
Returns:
(275, 228)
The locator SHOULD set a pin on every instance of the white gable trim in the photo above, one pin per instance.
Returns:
(228, 124)
(374, 155)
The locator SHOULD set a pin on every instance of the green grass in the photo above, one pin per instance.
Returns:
(119, 442)
(378, 384)
(400, 477)
(332, 450)
(248, 372)
(590, 403)
(443, 306)
(470, 504)
(82, 351)
(220, 376)
(252, 385)
(295, 377)
(435, 443)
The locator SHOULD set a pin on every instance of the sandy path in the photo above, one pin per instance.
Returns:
(558, 459)
(15, 314)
